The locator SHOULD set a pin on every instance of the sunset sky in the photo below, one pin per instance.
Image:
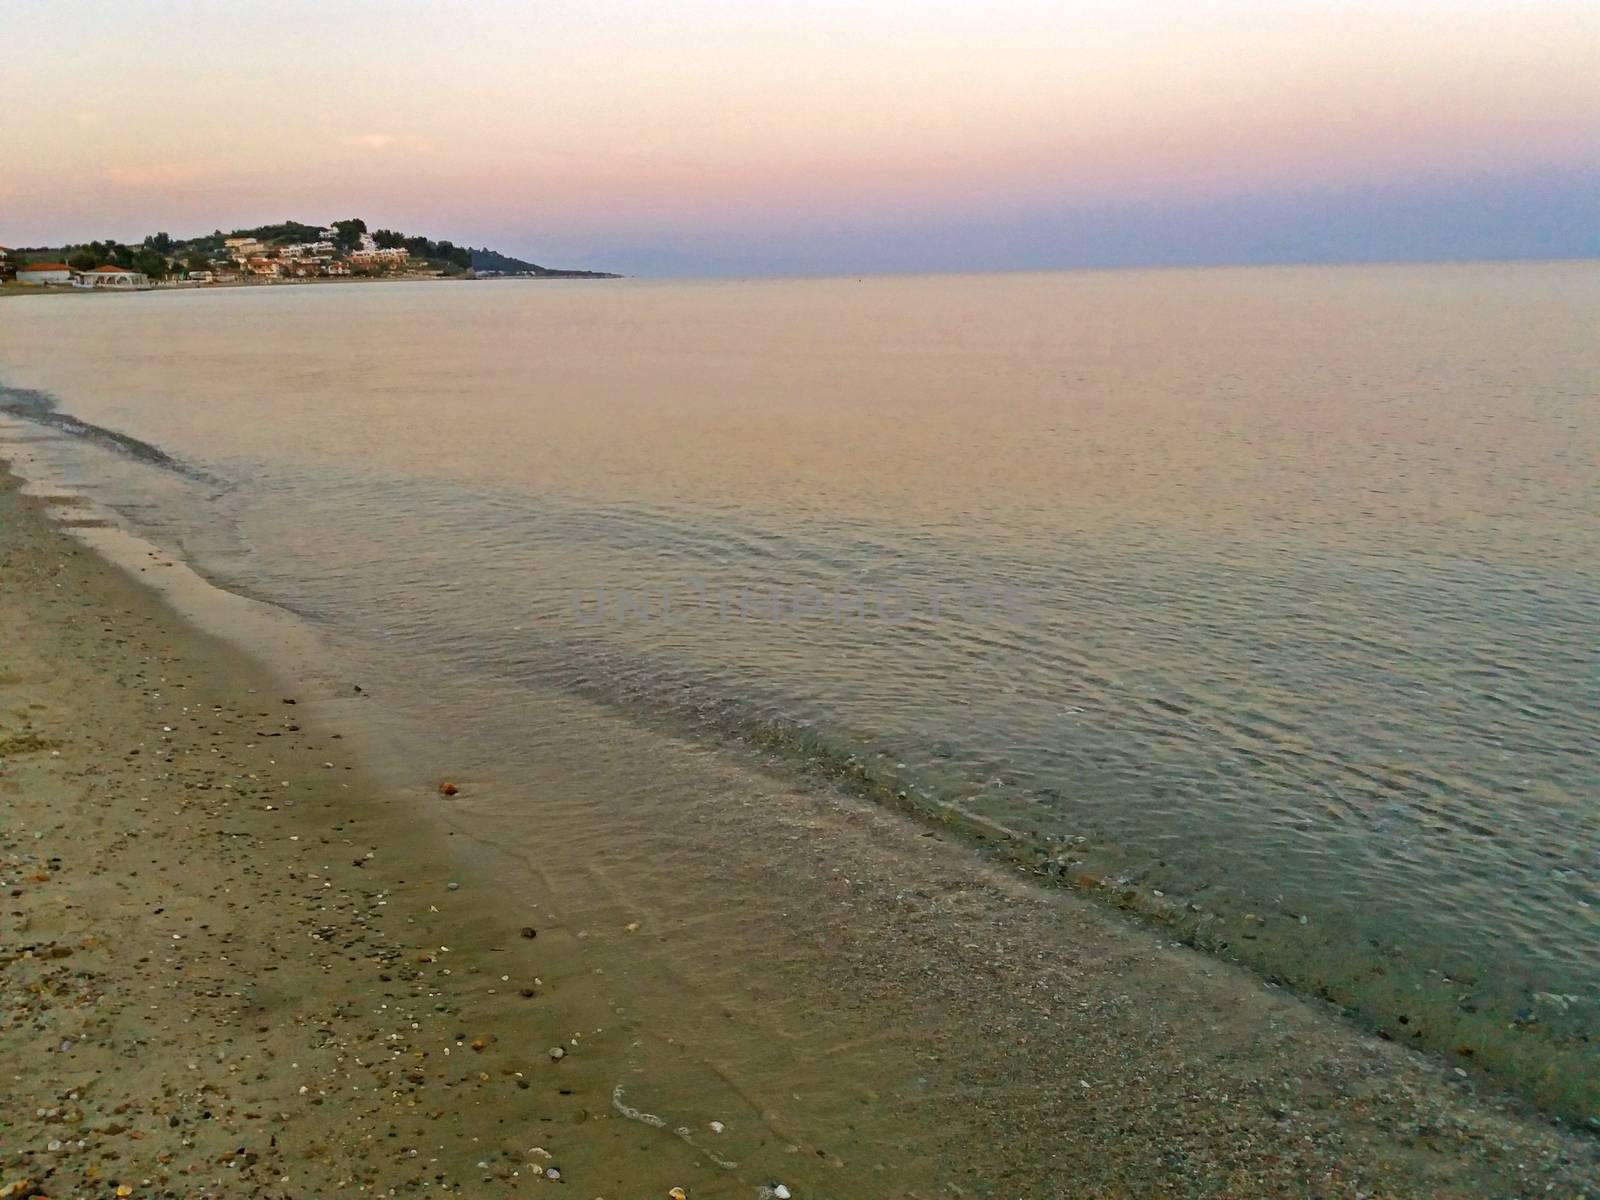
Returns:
(709, 136)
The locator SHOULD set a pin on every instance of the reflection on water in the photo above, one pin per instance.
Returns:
(1262, 602)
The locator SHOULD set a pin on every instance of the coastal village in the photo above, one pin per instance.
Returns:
(290, 252)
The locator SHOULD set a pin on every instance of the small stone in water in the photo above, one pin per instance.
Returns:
(781, 1192)
(557, 1053)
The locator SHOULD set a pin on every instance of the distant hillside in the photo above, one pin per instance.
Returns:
(485, 259)
(292, 249)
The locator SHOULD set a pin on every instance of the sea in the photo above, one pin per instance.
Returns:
(1261, 605)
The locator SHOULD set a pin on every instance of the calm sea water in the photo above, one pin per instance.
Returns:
(1262, 602)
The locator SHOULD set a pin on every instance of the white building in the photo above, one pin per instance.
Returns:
(42, 273)
(242, 249)
(307, 250)
(113, 279)
(390, 256)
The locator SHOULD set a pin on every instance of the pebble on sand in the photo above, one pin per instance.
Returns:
(446, 788)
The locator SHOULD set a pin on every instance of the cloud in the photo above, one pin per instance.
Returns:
(381, 142)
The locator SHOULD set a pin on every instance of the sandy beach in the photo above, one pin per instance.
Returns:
(233, 964)
(229, 968)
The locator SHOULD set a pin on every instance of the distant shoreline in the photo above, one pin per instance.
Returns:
(10, 288)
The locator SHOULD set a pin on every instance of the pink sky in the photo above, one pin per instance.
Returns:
(607, 122)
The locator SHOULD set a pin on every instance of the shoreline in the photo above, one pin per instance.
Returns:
(266, 936)
(10, 290)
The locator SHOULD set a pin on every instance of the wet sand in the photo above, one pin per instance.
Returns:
(233, 962)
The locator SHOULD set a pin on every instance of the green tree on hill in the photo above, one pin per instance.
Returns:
(151, 262)
(347, 234)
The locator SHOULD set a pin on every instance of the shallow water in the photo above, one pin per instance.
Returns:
(1262, 601)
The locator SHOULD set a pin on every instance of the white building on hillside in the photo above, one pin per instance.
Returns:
(308, 250)
(242, 249)
(392, 256)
